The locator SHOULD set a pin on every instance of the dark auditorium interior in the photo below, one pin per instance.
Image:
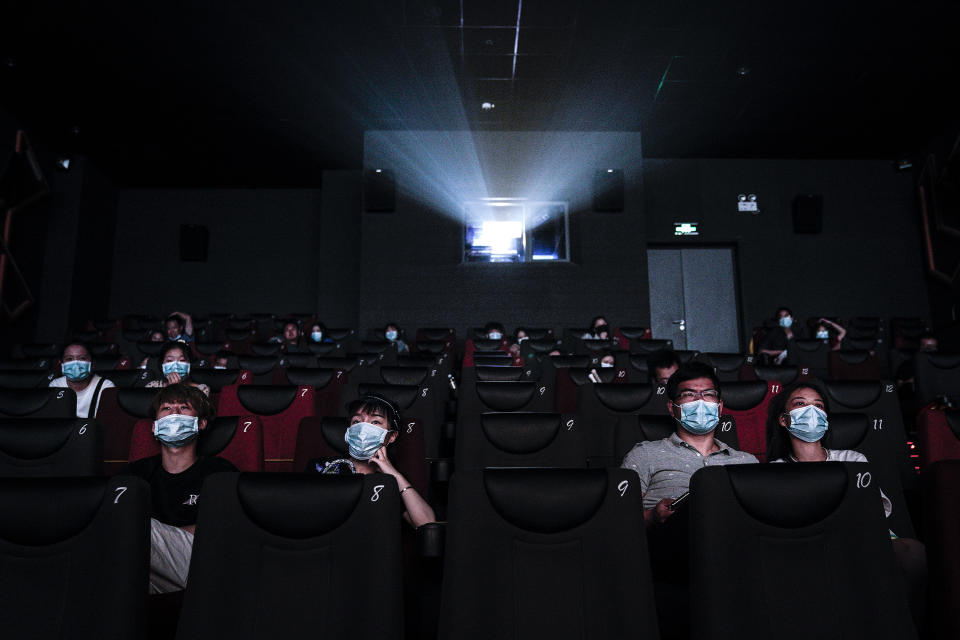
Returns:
(496, 223)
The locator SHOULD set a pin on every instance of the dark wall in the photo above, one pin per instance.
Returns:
(866, 261)
(262, 253)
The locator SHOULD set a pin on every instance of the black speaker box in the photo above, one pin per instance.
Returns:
(608, 190)
(808, 213)
(194, 240)
(379, 190)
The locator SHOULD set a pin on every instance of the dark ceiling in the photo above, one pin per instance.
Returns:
(240, 93)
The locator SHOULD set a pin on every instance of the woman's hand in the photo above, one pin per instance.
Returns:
(383, 464)
(174, 378)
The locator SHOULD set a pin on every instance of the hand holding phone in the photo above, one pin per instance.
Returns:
(679, 501)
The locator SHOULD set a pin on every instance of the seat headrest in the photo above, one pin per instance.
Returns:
(498, 373)
(301, 360)
(23, 402)
(657, 427)
(561, 362)
(725, 361)
(333, 430)
(539, 333)
(431, 346)
(416, 360)
(650, 346)
(149, 348)
(402, 396)
(333, 362)
(506, 396)
(25, 378)
(809, 345)
(266, 400)
(265, 348)
(321, 348)
(546, 500)
(789, 496)
(633, 332)
(942, 360)
(374, 346)
(784, 373)
(217, 435)
(598, 345)
(579, 376)
(136, 402)
(35, 438)
(853, 394)
(40, 350)
(623, 398)
(216, 379)
(316, 378)
(493, 360)
(435, 333)
(740, 396)
(48, 510)
(485, 344)
(520, 432)
(861, 344)
(238, 335)
(639, 362)
(204, 348)
(853, 357)
(847, 430)
(404, 375)
(338, 334)
(259, 365)
(298, 505)
(540, 345)
(126, 377)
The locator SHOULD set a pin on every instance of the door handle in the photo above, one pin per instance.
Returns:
(682, 322)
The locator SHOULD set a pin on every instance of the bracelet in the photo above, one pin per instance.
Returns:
(409, 486)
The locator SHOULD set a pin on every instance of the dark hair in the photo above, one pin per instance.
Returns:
(493, 326)
(178, 344)
(779, 309)
(376, 405)
(183, 392)
(392, 324)
(778, 441)
(927, 335)
(691, 371)
(77, 343)
(180, 321)
(663, 359)
(594, 321)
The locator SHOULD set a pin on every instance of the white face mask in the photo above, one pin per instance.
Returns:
(494, 335)
(606, 365)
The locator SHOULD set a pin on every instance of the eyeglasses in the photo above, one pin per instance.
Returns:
(689, 395)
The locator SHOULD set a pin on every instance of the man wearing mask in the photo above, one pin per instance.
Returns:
(665, 466)
(76, 364)
(175, 477)
(179, 327)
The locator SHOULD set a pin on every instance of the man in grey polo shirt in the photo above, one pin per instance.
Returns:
(665, 466)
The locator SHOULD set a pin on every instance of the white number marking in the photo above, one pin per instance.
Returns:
(878, 424)
(60, 395)
(863, 480)
(246, 425)
(303, 392)
(543, 390)
(410, 427)
(622, 487)
(376, 492)
(570, 424)
(120, 491)
(726, 425)
(83, 428)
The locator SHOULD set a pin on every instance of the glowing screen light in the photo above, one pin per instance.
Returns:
(685, 229)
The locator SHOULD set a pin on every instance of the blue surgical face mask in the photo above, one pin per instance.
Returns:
(494, 335)
(606, 365)
(76, 370)
(364, 440)
(182, 368)
(316, 336)
(823, 335)
(522, 338)
(699, 417)
(786, 322)
(808, 423)
(391, 335)
(176, 430)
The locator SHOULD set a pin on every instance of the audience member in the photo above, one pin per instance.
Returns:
(175, 477)
(593, 333)
(175, 367)
(155, 336)
(830, 331)
(374, 426)
(774, 346)
(221, 360)
(392, 333)
(76, 365)
(661, 365)
(318, 334)
(179, 327)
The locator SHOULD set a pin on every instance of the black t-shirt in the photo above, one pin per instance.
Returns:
(175, 495)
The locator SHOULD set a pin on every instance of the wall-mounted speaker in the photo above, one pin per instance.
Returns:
(608, 190)
(808, 213)
(379, 190)
(194, 240)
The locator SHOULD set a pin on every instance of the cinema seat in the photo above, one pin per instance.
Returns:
(941, 512)
(238, 439)
(276, 556)
(26, 378)
(648, 347)
(260, 367)
(327, 386)
(75, 556)
(44, 447)
(279, 408)
(127, 378)
(546, 553)
(521, 439)
(50, 402)
(938, 432)
(812, 355)
(729, 367)
(937, 374)
(793, 551)
(854, 365)
(746, 404)
(630, 432)
(118, 412)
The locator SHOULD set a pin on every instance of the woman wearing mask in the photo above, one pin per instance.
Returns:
(775, 344)
(392, 333)
(374, 426)
(796, 424)
(76, 364)
(175, 366)
(830, 331)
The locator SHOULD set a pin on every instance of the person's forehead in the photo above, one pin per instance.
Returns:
(75, 350)
(808, 395)
(696, 383)
(175, 353)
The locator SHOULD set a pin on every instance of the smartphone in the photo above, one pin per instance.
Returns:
(680, 501)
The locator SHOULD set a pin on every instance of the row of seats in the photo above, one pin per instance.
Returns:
(528, 553)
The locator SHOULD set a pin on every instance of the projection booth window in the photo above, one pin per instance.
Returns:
(512, 230)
